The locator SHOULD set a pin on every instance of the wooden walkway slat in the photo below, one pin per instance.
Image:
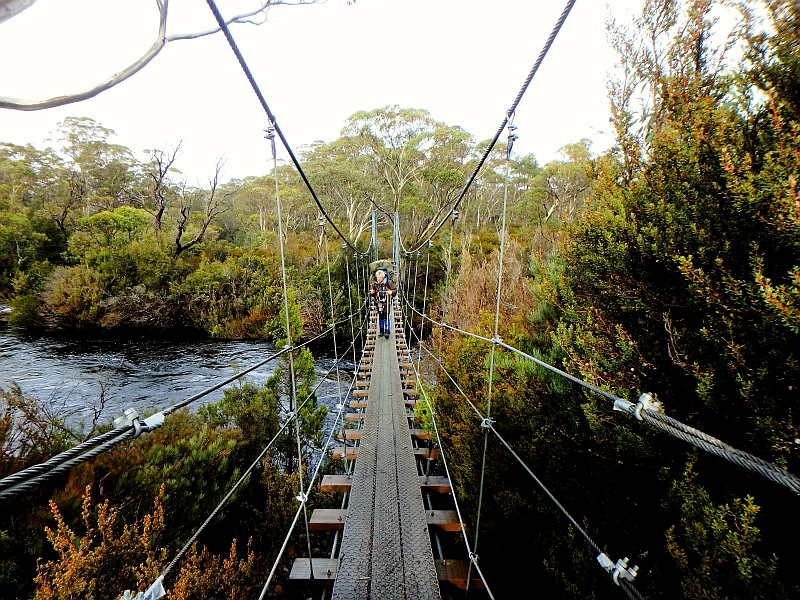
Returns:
(324, 569)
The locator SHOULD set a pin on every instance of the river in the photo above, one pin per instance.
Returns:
(69, 375)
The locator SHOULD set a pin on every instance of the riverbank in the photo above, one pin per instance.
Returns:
(76, 375)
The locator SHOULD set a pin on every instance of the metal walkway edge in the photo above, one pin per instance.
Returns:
(386, 548)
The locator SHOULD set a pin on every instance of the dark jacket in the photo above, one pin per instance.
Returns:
(375, 287)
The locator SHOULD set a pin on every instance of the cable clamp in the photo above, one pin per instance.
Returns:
(291, 415)
(646, 402)
(154, 421)
(302, 498)
(487, 423)
(618, 570)
(339, 406)
(127, 419)
(473, 557)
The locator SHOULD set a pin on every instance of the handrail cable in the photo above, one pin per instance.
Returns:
(647, 410)
(510, 111)
(160, 579)
(27, 479)
(310, 487)
(271, 116)
(472, 556)
(620, 580)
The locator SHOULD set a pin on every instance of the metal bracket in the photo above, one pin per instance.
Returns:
(618, 570)
(154, 421)
(302, 498)
(646, 402)
(129, 415)
(487, 423)
(622, 570)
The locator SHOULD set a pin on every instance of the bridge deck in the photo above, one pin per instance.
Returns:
(386, 549)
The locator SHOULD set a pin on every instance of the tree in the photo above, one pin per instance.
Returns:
(157, 196)
(215, 201)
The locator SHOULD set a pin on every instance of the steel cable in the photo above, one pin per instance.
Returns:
(471, 554)
(31, 477)
(665, 423)
(229, 36)
(629, 589)
(510, 112)
(310, 486)
(252, 466)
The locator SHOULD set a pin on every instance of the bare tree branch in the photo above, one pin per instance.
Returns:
(138, 65)
(215, 205)
(11, 8)
(21, 104)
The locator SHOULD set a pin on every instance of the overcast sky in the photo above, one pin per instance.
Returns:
(463, 60)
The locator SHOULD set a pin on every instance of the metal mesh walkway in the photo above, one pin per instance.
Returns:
(386, 549)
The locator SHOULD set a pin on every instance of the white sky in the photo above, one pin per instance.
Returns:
(463, 60)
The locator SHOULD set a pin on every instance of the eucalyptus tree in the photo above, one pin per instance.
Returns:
(343, 174)
(101, 174)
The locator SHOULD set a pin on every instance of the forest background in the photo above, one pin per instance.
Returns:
(670, 264)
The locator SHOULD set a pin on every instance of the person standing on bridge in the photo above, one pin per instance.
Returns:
(382, 290)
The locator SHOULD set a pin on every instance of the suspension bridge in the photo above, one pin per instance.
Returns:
(394, 529)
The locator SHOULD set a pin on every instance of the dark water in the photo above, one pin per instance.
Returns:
(68, 376)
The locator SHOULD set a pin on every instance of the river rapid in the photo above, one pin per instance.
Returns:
(69, 376)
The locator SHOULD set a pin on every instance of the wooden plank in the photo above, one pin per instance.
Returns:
(332, 519)
(351, 434)
(336, 483)
(342, 483)
(444, 520)
(423, 453)
(360, 393)
(342, 452)
(358, 404)
(354, 417)
(362, 384)
(420, 434)
(435, 483)
(410, 393)
(351, 453)
(324, 569)
(454, 571)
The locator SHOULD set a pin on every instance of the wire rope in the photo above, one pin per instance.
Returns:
(297, 514)
(559, 23)
(472, 556)
(241, 480)
(292, 380)
(271, 116)
(629, 589)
